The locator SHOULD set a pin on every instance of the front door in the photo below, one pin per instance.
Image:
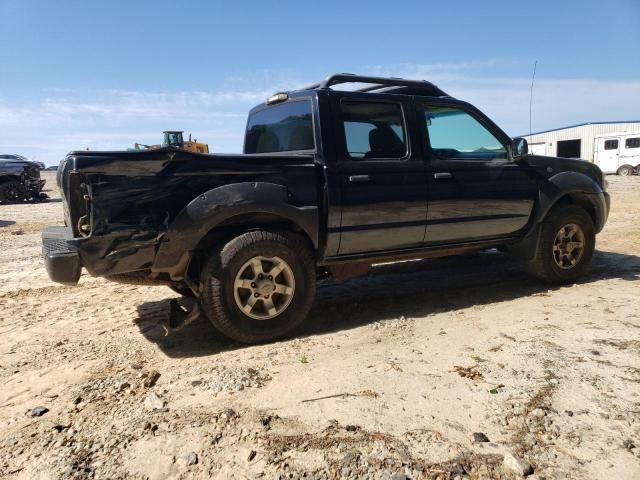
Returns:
(475, 190)
(608, 151)
(380, 182)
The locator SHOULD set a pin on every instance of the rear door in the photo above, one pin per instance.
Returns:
(608, 151)
(475, 190)
(378, 178)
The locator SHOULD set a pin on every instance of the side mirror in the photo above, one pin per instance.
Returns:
(519, 148)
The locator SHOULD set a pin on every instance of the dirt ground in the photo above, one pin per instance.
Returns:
(390, 378)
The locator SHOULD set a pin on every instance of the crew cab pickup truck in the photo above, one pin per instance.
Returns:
(331, 181)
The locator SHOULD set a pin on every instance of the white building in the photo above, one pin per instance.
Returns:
(576, 141)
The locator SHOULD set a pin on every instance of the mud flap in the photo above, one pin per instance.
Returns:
(182, 315)
(527, 248)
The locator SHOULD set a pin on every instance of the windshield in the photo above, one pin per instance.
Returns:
(281, 128)
(173, 138)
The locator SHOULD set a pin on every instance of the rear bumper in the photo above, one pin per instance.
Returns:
(61, 257)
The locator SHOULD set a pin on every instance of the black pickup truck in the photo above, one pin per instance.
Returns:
(330, 182)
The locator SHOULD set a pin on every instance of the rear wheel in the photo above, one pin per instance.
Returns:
(259, 286)
(625, 170)
(12, 191)
(566, 245)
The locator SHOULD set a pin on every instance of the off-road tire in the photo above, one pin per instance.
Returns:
(543, 266)
(625, 170)
(12, 191)
(221, 268)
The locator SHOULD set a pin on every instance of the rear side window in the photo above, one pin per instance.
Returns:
(611, 144)
(281, 128)
(632, 143)
(374, 131)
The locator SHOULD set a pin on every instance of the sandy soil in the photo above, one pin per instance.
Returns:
(412, 361)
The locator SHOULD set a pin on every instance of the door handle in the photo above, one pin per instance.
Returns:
(359, 179)
(442, 175)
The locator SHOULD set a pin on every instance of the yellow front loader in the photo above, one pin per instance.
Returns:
(174, 138)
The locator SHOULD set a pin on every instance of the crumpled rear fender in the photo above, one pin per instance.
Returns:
(216, 206)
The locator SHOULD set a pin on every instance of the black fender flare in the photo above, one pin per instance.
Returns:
(550, 192)
(215, 206)
(572, 183)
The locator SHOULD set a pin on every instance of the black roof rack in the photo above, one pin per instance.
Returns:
(421, 87)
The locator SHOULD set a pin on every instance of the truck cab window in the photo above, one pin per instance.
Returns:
(281, 128)
(374, 130)
(455, 134)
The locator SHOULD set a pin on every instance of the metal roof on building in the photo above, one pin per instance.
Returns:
(578, 125)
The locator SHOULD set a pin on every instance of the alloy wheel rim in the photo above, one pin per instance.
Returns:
(12, 193)
(568, 246)
(264, 287)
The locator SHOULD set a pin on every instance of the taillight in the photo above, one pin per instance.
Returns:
(79, 203)
(84, 222)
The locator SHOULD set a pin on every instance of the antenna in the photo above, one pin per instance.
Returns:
(533, 77)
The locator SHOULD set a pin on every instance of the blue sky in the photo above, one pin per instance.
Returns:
(103, 75)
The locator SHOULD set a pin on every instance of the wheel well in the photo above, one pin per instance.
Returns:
(237, 225)
(9, 178)
(581, 201)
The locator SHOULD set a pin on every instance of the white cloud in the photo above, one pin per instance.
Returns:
(64, 119)
(123, 105)
(557, 102)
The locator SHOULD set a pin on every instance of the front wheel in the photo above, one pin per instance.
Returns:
(259, 286)
(566, 245)
(12, 191)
